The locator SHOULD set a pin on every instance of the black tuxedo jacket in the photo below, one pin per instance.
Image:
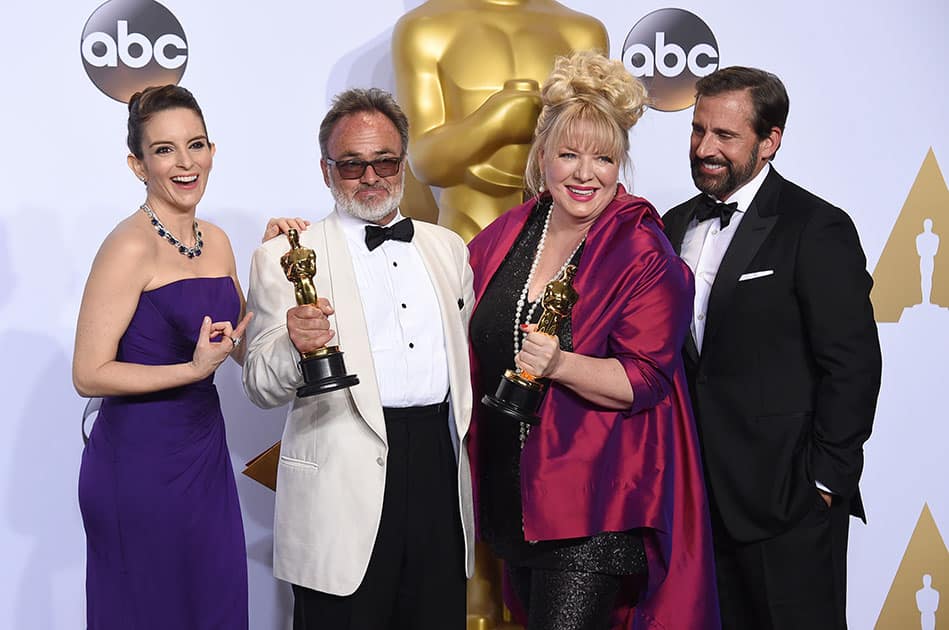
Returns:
(786, 385)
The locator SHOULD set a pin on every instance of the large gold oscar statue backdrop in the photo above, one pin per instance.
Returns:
(468, 74)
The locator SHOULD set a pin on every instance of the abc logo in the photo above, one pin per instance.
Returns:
(128, 45)
(670, 49)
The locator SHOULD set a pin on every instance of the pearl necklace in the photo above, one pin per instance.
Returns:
(190, 252)
(524, 429)
(522, 299)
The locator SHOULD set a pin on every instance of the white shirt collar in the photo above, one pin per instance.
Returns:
(355, 228)
(747, 191)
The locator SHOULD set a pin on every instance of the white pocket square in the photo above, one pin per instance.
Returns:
(755, 274)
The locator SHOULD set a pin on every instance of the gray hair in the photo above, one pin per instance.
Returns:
(358, 100)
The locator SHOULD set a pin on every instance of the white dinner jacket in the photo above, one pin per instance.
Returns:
(331, 475)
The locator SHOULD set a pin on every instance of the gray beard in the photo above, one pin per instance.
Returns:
(367, 212)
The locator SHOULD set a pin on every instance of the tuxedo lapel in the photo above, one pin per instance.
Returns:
(676, 224)
(754, 228)
(350, 323)
(689, 348)
(455, 334)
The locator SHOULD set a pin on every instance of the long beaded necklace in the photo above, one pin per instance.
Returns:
(184, 250)
(522, 301)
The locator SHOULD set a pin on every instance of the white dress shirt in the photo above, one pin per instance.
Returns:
(402, 317)
(704, 246)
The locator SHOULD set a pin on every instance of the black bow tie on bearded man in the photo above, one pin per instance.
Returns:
(709, 208)
(377, 235)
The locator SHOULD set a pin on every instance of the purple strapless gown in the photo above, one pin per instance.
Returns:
(165, 541)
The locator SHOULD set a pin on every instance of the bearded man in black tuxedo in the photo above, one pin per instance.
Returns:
(783, 361)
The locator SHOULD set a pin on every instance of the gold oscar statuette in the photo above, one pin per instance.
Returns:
(468, 74)
(323, 369)
(520, 393)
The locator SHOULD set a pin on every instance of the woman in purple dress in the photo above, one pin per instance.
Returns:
(160, 312)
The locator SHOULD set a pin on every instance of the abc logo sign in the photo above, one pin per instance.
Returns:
(128, 45)
(669, 50)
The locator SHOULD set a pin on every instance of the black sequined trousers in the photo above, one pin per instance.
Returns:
(565, 600)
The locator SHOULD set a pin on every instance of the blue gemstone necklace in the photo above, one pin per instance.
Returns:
(163, 232)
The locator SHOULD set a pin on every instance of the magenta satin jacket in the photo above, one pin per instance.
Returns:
(586, 470)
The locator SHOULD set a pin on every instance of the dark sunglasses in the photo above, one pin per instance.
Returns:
(354, 169)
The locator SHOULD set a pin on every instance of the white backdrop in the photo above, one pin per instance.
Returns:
(868, 93)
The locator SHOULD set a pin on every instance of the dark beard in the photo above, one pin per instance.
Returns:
(720, 188)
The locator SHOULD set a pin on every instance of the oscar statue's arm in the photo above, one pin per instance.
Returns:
(445, 143)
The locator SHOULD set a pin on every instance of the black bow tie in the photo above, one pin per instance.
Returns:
(709, 208)
(401, 231)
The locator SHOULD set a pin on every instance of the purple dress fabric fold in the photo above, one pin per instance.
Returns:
(165, 540)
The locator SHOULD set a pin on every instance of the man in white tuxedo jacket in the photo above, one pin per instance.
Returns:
(373, 524)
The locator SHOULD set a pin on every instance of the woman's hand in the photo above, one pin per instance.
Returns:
(602, 381)
(282, 225)
(216, 341)
(540, 353)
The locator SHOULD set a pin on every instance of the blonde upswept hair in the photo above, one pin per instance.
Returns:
(586, 87)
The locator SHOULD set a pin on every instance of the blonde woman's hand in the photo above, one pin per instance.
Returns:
(540, 353)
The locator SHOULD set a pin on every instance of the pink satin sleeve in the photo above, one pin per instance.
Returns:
(648, 335)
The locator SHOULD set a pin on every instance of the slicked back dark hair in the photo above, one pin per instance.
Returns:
(145, 104)
(768, 96)
(359, 100)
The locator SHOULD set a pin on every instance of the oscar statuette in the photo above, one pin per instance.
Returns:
(323, 369)
(520, 393)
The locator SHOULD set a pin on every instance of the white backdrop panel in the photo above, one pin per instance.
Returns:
(868, 93)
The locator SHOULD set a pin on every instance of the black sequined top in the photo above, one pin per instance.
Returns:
(499, 507)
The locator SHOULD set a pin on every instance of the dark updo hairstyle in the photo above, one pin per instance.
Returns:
(145, 104)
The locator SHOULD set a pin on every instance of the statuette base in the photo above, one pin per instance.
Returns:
(517, 397)
(324, 372)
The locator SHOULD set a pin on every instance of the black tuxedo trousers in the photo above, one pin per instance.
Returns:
(416, 574)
